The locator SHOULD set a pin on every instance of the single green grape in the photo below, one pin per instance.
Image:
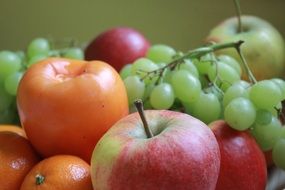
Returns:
(126, 71)
(162, 96)
(267, 135)
(148, 89)
(217, 92)
(265, 94)
(160, 53)
(12, 82)
(73, 53)
(141, 66)
(38, 46)
(203, 64)
(226, 59)
(263, 117)
(278, 153)
(234, 91)
(135, 88)
(189, 66)
(225, 73)
(186, 87)
(281, 85)
(240, 113)
(10, 63)
(207, 108)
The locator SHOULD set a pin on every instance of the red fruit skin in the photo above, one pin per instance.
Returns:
(268, 158)
(183, 154)
(118, 47)
(243, 165)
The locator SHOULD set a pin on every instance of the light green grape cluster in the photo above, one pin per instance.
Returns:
(209, 87)
(195, 86)
(13, 65)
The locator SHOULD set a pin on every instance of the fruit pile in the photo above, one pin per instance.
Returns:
(209, 88)
(151, 118)
(13, 65)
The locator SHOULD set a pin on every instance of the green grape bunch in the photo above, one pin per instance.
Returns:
(13, 65)
(210, 87)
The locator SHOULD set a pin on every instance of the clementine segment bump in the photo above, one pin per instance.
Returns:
(17, 157)
(60, 172)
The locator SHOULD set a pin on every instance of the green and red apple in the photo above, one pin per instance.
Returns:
(182, 154)
(263, 48)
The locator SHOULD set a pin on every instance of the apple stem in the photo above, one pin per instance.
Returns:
(238, 10)
(139, 105)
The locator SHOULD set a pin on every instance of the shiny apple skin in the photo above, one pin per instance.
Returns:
(243, 165)
(117, 46)
(183, 154)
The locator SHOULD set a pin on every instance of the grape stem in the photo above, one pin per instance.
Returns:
(245, 66)
(238, 11)
(139, 105)
(197, 53)
(217, 75)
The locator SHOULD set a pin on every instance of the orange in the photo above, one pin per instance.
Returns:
(66, 106)
(60, 172)
(13, 128)
(17, 157)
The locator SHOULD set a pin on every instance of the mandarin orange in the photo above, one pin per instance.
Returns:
(59, 172)
(17, 157)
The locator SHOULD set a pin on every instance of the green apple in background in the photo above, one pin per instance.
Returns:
(264, 47)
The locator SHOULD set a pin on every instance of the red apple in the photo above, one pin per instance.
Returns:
(264, 47)
(117, 46)
(182, 154)
(243, 165)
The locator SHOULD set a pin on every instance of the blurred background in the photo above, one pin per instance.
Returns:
(182, 24)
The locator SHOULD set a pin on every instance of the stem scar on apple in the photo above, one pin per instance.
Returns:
(139, 106)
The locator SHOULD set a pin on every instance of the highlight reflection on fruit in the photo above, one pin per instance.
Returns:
(117, 46)
(182, 154)
(71, 104)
